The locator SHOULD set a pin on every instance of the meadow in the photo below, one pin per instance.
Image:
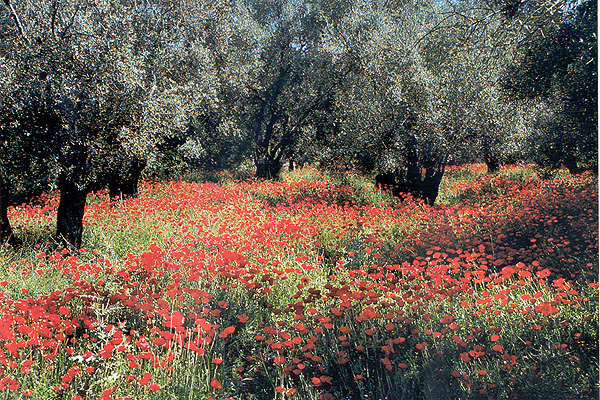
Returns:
(318, 286)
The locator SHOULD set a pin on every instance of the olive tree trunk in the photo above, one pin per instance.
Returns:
(69, 219)
(491, 160)
(418, 181)
(6, 233)
(126, 184)
(492, 163)
(267, 169)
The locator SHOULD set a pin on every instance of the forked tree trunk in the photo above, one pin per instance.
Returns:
(492, 163)
(491, 160)
(268, 169)
(128, 186)
(114, 188)
(6, 233)
(69, 219)
(413, 180)
(430, 184)
(571, 164)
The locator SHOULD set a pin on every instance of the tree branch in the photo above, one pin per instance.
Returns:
(55, 4)
(17, 20)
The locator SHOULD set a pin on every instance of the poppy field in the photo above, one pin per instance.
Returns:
(316, 286)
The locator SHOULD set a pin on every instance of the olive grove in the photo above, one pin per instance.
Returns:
(95, 92)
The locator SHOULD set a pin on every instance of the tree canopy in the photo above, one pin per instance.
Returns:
(93, 92)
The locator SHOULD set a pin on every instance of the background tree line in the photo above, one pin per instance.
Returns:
(94, 92)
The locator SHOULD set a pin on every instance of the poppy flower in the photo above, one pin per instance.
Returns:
(154, 387)
(243, 318)
(279, 360)
(227, 331)
(145, 379)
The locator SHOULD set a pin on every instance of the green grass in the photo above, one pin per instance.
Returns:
(325, 265)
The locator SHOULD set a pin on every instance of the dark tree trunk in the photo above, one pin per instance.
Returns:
(422, 185)
(571, 164)
(492, 163)
(431, 183)
(490, 159)
(69, 219)
(114, 188)
(127, 186)
(267, 168)
(6, 233)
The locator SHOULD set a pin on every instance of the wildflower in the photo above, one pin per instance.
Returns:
(243, 318)
(145, 379)
(227, 331)
(154, 387)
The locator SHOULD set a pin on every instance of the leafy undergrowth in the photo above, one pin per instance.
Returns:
(310, 288)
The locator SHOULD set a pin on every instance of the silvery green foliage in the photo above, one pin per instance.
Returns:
(466, 57)
(276, 70)
(339, 81)
(386, 110)
(559, 68)
(429, 79)
(120, 75)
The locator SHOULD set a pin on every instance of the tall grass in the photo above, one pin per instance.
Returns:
(316, 286)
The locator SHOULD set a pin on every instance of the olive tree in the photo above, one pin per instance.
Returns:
(276, 74)
(115, 76)
(560, 70)
(467, 55)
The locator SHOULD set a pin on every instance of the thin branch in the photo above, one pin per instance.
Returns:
(17, 20)
(64, 32)
(55, 4)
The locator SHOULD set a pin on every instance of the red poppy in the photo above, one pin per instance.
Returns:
(227, 331)
(279, 360)
(154, 387)
(145, 379)
(243, 318)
